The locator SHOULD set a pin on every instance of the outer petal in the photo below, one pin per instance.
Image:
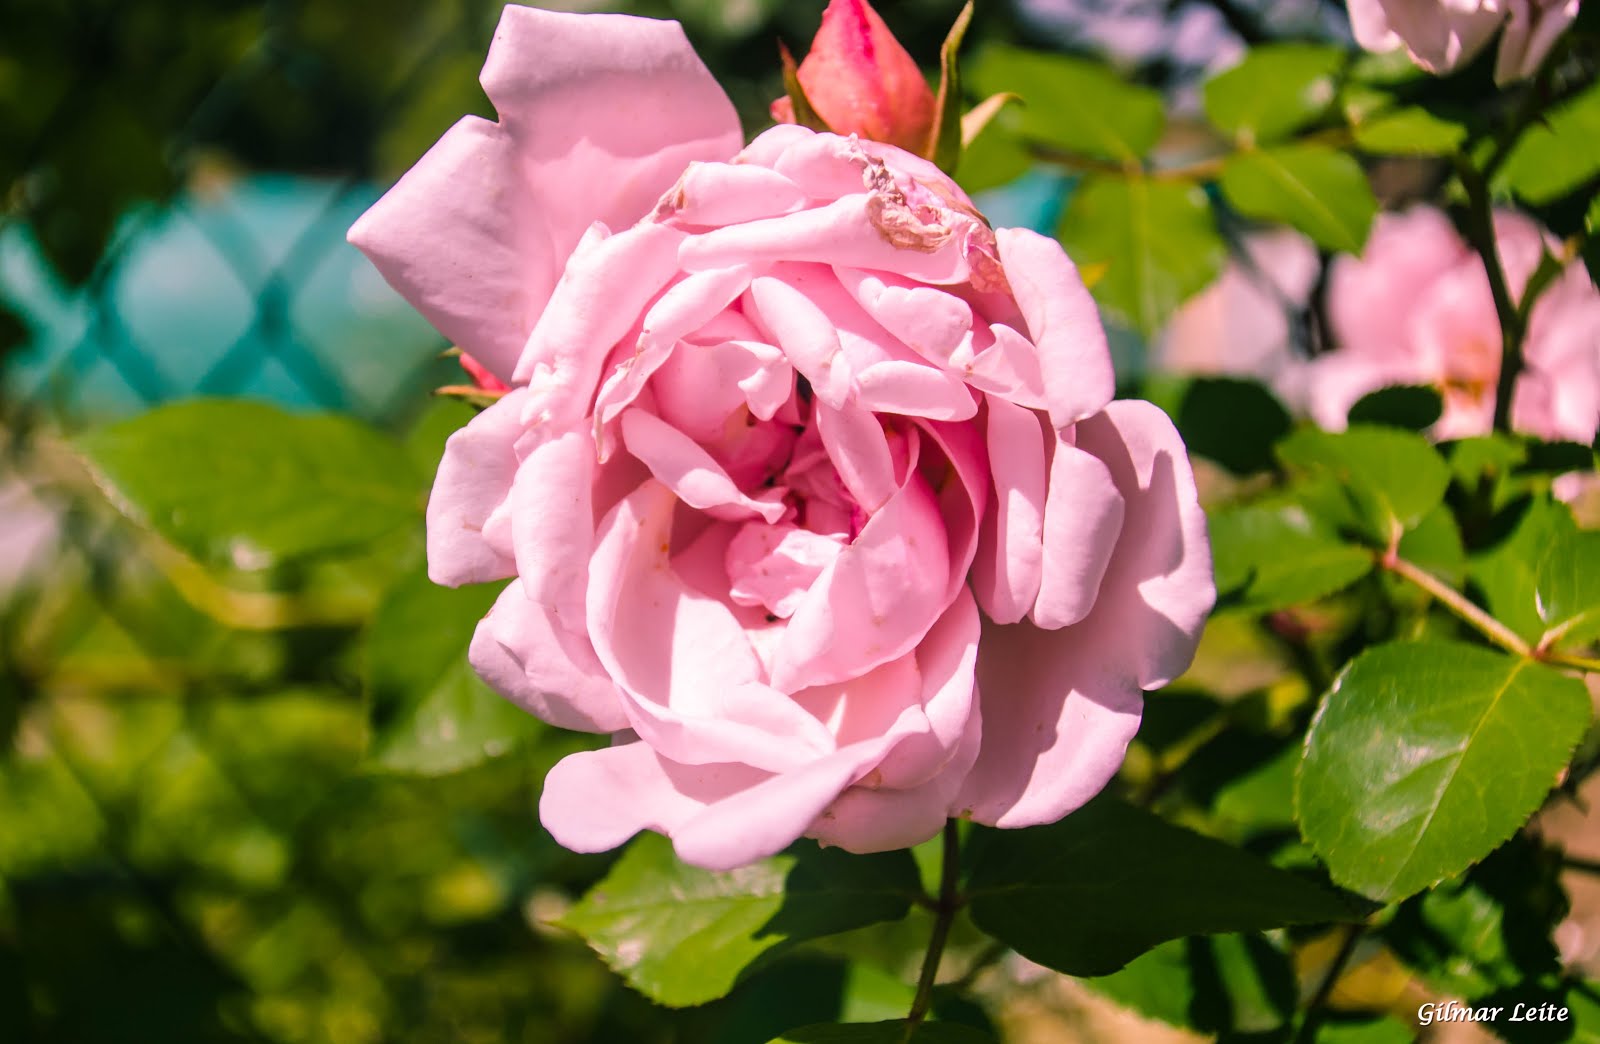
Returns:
(606, 111)
(718, 816)
(1530, 33)
(1158, 587)
(1083, 516)
(475, 477)
(1057, 718)
(528, 654)
(1062, 321)
(1369, 297)
(1442, 36)
(461, 238)
(552, 522)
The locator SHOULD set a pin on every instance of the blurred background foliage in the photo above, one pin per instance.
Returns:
(250, 790)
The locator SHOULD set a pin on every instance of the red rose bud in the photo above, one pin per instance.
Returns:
(861, 81)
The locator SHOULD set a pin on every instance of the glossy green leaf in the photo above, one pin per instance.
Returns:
(1558, 154)
(885, 1033)
(1435, 545)
(1568, 588)
(1157, 240)
(1277, 554)
(1409, 131)
(1425, 756)
(430, 713)
(1073, 104)
(1392, 477)
(683, 936)
(245, 484)
(1414, 407)
(1088, 894)
(1318, 190)
(1222, 984)
(1232, 421)
(1276, 89)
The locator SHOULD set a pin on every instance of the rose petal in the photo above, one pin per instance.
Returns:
(1083, 517)
(607, 111)
(876, 600)
(1010, 562)
(552, 522)
(690, 679)
(544, 664)
(1062, 322)
(1057, 718)
(859, 449)
(682, 466)
(475, 477)
(1158, 588)
(715, 194)
(794, 322)
(461, 238)
(601, 294)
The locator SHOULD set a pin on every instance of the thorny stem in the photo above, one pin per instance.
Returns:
(945, 914)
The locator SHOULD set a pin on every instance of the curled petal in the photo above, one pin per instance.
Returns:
(1062, 322)
(679, 463)
(541, 660)
(1083, 516)
(475, 476)
(1010, 560)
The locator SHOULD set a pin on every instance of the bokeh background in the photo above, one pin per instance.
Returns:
(199, 838)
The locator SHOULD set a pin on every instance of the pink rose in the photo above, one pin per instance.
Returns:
(861, 81)
(808, 483)
(1442, 35)
(1416, 309)
(1240, 324)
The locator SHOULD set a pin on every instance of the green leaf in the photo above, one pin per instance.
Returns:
(430, 712)
(1277, 554)
(1409, 131)
(1508, 575)
(1086, 895)
(1277, 89)
(885, 1033)
(1392, 477)
(243, 483)
(1157, 239)
(1414, 407)
(1558, 154)
(1222, 984)
(1568, 588)
(1232, 421)
(1425, 756)
(1319, 190)
(1072, 104)
(683, 936)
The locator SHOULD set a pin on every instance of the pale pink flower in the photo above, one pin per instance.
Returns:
(1441, 35)
(1416, 308)
(860, 80)
(808, 485)
(1240, 325)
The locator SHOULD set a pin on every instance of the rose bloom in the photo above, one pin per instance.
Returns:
(808, 483)
(1416, 308)
(1441, 35)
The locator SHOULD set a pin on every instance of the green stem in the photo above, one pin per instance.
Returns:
(945, 914)
(1457, 603)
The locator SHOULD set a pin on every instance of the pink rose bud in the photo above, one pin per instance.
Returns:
(809, 487)
(861, 81)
